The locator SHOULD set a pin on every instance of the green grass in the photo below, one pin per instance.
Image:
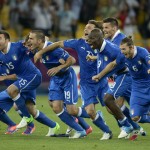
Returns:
(38, 140)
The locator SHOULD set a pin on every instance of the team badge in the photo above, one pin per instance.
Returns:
(47, 57)
(14, 57)
(139, 62)
(105, 58)
(7, 71)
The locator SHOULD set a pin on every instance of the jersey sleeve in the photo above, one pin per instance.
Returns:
(120, 59)
(22, 48)
(61, 53)
(72, 43)
(146, 57)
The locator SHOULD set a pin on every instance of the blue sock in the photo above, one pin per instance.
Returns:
(5, 119)
(69, 120)
(100, 123)
(82, 113)
(124, 122)
(20, 102)
(126, 112)
(145, 119)
(20, 113)
(82, 122)
(42, 118)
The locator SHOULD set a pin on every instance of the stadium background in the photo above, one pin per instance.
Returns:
(65, 19)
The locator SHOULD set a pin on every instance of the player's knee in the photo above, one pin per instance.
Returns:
(72, 110)
(120, 101)
(91, 113)
(108, 99)
(12, 91)
(136, 118)
(31, 108)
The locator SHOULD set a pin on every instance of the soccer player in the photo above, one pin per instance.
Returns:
(122, 87)
(4, 108)
(63, 82)
(15, 57)
(107, 52)
(138, 61)
(89, 89)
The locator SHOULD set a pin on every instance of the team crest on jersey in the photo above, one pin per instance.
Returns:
(95, 51)
(14, 57)
(132, 112)
(105, 58)
(47, 57)
(139, 62)
(7, 71)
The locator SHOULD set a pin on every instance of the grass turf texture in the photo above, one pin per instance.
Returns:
(38, 140)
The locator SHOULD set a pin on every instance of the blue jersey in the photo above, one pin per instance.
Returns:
(117, 38)
(138, 65)
(87, 68)
(53, 58)
(17, 60)
(3, 72)
(63, 86)
(108, 53)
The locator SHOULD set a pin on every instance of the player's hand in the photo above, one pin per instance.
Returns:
(148, 71)
(91, 58)
(53, 71)
(37, 57)
(2, 78)
(95, 78)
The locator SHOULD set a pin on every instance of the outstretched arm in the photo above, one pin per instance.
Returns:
(64, 65)
(51, 47)
(8, 77)
(105, 71)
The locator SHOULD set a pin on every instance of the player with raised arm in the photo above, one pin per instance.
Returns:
(108, 52)
(63, 81)
(89, 89)
(138, 61)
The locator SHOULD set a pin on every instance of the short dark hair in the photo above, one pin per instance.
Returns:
(39, 34)
(98, 24)
(112, 21)
(127, 40)
(6, 34)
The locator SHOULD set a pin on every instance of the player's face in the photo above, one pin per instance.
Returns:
(87, 30)
(33, 41)
(128, 51)
(93, 41)
(108, 30)
(3, 42)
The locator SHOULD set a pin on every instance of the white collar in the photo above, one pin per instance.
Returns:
(117, 32)
(103, 46)
(45, 44)
(135, 52)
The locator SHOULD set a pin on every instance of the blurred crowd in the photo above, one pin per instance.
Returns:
(62, 17)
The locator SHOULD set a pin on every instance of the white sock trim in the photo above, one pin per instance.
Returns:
(97, 115)
(123, 107)
(16, 98)
(37, 114)
(60, 112)
(80, 111)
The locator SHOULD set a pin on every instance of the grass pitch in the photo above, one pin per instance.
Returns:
(38, 140)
